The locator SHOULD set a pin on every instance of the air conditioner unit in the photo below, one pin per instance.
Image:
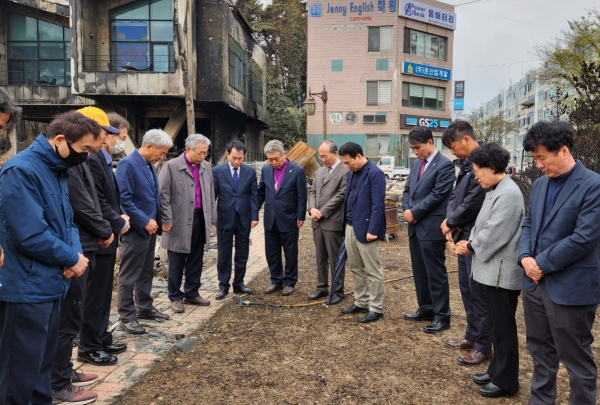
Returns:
(375, 119)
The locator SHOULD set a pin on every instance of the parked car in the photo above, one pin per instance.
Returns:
(387, 165)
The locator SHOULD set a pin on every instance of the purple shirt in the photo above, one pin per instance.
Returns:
(195, 169)
(278, 175)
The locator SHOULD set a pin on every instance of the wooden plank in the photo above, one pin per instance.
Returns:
(63, 94)
(90, 82)
(132, 83)
(122, 83)
(111, 82)
(142, 83)
(176, 121)
(175, 84)
(100, 83)
(153, 84)
(163, 83)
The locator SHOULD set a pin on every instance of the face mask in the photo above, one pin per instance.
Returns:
(118, 148)
(74, 158)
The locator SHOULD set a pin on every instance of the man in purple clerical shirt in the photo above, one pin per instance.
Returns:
(282, 189)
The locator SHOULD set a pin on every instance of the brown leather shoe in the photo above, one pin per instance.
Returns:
(273, 287)
(463, 344)
(287, 290)
(177, 306)
(197, 301)
(474, 358)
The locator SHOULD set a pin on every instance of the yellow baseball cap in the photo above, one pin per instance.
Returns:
(96, 114)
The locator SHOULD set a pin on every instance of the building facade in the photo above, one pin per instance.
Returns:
(132, 57)
(527, 101)
(386, 65)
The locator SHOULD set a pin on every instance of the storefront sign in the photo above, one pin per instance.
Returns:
(433, 123)
(459, 95)
(428, 14)
(432, 72)
(336, 118)
(352, 9)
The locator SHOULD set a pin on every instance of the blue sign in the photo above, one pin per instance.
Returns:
(433, 123)
(431, 72)
(316, 10)
(459, 103)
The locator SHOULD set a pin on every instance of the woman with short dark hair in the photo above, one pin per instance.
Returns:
(494, 243)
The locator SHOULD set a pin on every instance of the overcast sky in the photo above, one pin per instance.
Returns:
(503, 34)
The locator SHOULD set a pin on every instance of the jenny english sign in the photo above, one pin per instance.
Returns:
(428, 14)
(432, 72)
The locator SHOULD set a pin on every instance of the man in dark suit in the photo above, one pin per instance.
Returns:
(424, 203)
(282, 189)
(364, 215)
(326, 208)
(138, 183)
(237, 213)
(559, 251)
(93, 335)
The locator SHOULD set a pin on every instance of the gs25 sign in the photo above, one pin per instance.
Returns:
(433, 123)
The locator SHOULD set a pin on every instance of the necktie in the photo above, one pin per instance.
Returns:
(327, 173)
(423, 164)
(235, 178)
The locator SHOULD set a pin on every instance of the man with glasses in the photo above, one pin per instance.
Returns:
(188, 210)
(237, 214)
(326, 208)
(282, 189)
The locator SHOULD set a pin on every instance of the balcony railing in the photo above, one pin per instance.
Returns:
(128, 63)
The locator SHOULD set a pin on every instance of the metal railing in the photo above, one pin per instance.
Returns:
(128, 63)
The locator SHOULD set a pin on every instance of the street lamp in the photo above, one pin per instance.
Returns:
(310, 105)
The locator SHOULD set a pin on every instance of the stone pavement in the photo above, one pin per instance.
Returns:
(143, 351)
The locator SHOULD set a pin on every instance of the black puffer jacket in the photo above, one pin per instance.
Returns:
(465, 202)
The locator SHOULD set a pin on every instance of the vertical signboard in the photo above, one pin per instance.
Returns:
(459, 95)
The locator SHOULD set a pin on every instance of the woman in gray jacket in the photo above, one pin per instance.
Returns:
(494, 243)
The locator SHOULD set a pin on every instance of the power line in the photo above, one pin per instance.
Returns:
(469, 2)
(497, 64)
(508, 19)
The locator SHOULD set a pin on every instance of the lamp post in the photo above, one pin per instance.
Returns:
(310, 105)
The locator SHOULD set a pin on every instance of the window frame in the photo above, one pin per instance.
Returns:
(151, 66)
(379, 28)
(238, 59)
(379, 136)
(379, 102)
(406, 102)
(441, 47)
(20, 76)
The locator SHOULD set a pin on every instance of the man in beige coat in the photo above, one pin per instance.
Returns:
(326, 208)
(188, 210)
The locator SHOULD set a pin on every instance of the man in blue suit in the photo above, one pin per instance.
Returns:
(138, 183)
(424, 202)
(282, 189)
(364, 215)
(559, 252)
(237, 212)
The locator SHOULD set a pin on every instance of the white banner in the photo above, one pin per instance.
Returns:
(426, 13)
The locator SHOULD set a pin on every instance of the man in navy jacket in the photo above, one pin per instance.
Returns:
(237, 212)
(42, 253)
(364, 210)
(424, 203)
(282, 189)
(138, 183)
(559, 252)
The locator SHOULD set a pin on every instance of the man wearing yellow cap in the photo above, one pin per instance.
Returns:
(94, 231)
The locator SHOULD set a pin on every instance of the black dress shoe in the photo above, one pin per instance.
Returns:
(436, 326)
(419, 315)
(317, 294)
(242, 290)
(353, 309)
(115, 348)
(335, 299)
(221, 294)
(151, 314)
(481, 379)
(372, 317)
(493, 391)
(98, 358)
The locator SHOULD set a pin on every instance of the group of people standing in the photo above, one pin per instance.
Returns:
(63, 209)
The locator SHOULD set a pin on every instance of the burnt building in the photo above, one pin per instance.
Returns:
(149, 60)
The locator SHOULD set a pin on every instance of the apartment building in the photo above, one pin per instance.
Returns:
(386, 66)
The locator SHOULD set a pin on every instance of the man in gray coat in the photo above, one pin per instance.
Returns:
(326, 208)
(188, 210)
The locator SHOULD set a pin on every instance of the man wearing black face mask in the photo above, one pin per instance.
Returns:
(94, 231)
(43, 253)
